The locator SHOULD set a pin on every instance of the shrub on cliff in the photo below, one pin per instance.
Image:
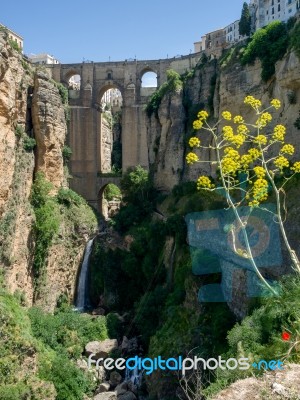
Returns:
(269, 44)
(173, 84)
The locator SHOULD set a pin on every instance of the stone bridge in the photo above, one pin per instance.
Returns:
(85, 136)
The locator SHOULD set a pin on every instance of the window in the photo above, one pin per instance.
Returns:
(272, 2)
(273, 11)
(289, 1)
(278, 7)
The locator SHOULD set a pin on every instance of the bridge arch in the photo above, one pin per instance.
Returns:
(107, 86)
(106, 213)
(69, 74)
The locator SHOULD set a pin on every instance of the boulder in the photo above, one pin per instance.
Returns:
(106, 396)
(127, 396)
(101, 349)
(115, 378)
(103, 388)
(121, 388)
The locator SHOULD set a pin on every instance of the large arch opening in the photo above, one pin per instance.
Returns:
(149, 80)
(111, 100)
(148, 83)
(109, 200)
(73, 82)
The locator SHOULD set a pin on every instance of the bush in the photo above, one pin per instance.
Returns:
(19, 130)
(67, 154)
(46, 220)
(67, 332)
(67, 197)
(70, 382)
(173, 84)
(112, 192)
(29, 143)
(14, 45)
(63, 92)
(269, 44)
(295, 39)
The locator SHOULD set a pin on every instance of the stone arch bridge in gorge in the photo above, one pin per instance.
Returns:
(85, 127)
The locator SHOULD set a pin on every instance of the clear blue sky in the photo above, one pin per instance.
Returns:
(120, 29)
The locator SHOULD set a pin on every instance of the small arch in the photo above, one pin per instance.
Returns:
(74, 82)
(148, 79)
(109, 200)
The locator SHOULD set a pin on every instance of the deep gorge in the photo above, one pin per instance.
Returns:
(140, 280)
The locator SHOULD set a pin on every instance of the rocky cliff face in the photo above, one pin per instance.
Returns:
(218, 88)
(49, 124)
(31, 107)
(16, 170)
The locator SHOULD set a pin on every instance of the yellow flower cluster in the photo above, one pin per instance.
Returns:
(288, 149)
(191, 158)
(259, 172)
(204, 182)
(203, 115)
(253, 102)
(260, 139)
(194, 142)
(254, 154)
(296, 167)
(264, 119)
(279, 133)
(197, 124)
(227, 132)
(275, 103)
(237, 140)
(226, 115)
(281, 162)
(247, 159)
(230, 162)
(242, 130)
(238, 119)
(260, 189)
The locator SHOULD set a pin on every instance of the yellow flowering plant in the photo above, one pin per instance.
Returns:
(244, 150)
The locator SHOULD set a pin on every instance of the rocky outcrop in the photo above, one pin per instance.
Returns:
(49, 124)
(106, 141)
(216, 88)
(16, 170)
(277, 385)
(31, 107)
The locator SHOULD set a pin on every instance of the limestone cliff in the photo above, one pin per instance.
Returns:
(31, 108)
(217, 88)
(49, 124)
(16, 171)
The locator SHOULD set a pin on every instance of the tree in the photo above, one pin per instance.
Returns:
(262, 166)
(245, 21)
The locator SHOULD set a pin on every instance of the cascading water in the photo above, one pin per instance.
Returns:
(82, 281)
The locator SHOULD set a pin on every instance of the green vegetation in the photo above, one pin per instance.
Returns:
(245, 21)
(139, 195)
(19, 130)
(14, 45)
(67, 154)
(112, 192)
(269, 44)
(31, 339)
(173, 84)
(63, 92)
(29, 143)
(67, 210)
(47, 220)
(295, 38)
(259, 335)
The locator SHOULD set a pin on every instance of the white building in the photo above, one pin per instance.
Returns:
(232, 32)
(42, 59)
(265, 11)
(14, 36)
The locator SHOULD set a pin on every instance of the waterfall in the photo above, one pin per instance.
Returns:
(82, 281)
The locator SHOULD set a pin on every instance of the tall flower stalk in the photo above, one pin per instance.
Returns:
(258, 155)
